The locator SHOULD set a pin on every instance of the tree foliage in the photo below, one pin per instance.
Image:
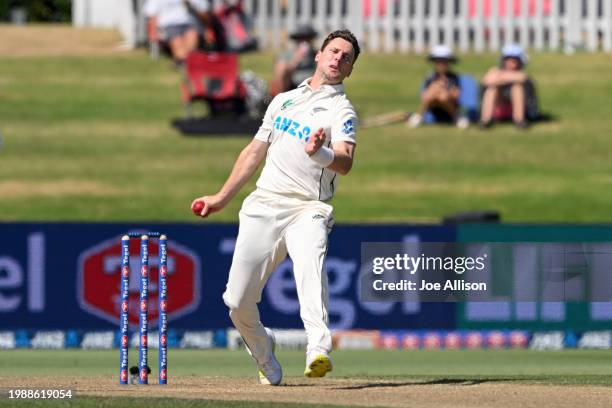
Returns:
(38, 11)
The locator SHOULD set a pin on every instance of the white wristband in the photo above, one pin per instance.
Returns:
(324, 156)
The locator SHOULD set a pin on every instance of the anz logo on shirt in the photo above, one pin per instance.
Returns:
(292, 128)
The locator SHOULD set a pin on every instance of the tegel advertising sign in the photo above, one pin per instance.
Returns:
(99, 276)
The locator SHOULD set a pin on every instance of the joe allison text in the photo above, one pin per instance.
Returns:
(458, 285)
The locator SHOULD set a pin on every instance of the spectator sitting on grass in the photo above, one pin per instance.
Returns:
(297, 64)
(509, 94)
(178, 23)
(441, 91)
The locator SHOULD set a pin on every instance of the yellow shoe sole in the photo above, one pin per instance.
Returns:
(262, 379)
(320, 366)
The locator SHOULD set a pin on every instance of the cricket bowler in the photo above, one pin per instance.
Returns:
(307, 139)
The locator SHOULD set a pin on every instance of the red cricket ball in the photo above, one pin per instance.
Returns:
(197, 207)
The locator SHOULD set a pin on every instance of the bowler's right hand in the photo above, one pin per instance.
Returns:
(212, 204)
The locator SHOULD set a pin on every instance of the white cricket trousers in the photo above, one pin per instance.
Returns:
(272, 226)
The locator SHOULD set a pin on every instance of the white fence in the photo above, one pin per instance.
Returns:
(404, 25)
(468, 25)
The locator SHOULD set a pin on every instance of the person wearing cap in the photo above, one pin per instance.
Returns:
(509, 93)
(441, 91)
(297, 64)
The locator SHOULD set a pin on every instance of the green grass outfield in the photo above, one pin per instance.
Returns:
(569, 367)
(551, 367)
(88, 139)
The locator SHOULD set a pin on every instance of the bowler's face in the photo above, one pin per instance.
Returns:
(336, 60)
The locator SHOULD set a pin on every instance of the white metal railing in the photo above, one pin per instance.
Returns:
(468, 25)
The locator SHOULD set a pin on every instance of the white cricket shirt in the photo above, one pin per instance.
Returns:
(289, 121)
(173, 12)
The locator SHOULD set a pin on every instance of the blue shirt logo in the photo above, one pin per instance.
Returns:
(291, 127)
(348, 127)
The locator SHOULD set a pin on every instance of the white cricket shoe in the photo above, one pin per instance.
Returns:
(415, 120)
(317, 364)
(270, 372)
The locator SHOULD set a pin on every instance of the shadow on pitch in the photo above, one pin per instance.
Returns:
(441, 381)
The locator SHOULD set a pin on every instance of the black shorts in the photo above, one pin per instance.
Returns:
(169, 32)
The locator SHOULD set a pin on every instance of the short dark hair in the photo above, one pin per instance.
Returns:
(345, 35)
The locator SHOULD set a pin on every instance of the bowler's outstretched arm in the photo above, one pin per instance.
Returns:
(246, 164)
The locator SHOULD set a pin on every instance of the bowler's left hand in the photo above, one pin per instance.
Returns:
(315, 142)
